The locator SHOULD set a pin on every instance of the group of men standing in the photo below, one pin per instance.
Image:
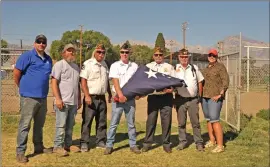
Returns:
(32, 73)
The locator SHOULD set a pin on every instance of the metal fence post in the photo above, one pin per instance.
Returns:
(226, 98)
(247, 69)
(239, 84)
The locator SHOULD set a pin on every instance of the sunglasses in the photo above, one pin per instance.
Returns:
(100, 52)
(124, 52)
(184, 57)
(212, 55)
(156, 55)
(41, 42)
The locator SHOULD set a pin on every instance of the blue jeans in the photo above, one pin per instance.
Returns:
(117, 110)
(32, 108)
(211, 109)
(65, 120)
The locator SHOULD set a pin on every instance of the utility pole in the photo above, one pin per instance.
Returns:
(184, 28)
(81, 47)
(171, 43)
(21, 43)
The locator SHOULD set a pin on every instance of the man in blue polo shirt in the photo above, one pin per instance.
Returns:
(31, 74)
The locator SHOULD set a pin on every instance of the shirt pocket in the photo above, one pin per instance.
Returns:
(95, 73)
(66, 75)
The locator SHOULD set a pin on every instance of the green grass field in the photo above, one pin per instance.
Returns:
(249, 148)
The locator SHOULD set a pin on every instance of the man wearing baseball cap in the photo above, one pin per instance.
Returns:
(31, 75)
(67, 94)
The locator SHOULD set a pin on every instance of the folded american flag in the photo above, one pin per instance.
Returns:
(146, 81)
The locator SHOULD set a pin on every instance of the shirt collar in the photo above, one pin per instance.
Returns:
(36, 54)
(159, 65)
(123, 64)
(180, 66)
(95, 61)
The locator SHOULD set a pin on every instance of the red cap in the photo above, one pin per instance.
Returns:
(213, 51)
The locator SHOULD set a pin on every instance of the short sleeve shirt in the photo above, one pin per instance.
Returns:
(35, 72)
(163, 68)
(68, 76)
(122, 71)
(190, 77)
(96, 73)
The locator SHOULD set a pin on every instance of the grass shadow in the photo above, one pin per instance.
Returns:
(118, 138)
(35, 154)
(173, 138)
(227, 136)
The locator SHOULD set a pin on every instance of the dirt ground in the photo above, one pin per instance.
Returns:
(251, 103)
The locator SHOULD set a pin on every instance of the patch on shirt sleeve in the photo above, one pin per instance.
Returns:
(83, 67)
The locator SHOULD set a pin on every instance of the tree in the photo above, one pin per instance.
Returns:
(4, 58)
(90, 40)
(141, 54)
(160, 42)
(55, 51)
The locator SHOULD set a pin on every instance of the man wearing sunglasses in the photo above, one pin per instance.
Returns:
(67, 93)
(120, 72)
(95, 84)
(193, 78)
(31, 74)
(160, 100)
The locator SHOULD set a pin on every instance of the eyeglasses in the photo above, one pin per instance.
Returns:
(156, 55)
(41, 42)
(183, 57)
(212, 55)
(100, 52)
(124, 52)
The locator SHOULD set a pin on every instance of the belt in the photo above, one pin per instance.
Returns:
(187, 98)
(161, 95)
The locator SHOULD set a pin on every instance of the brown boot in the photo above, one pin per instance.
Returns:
(21, 158)
(135, 149)
(74, 149)
(60, 151)
(108, 150)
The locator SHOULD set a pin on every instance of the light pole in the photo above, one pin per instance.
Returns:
(184, 28)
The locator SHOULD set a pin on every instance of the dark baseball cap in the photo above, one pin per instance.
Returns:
(41, 36)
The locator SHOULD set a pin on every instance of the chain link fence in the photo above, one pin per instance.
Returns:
(255, 69)
(10, 98)
(248, 74)
(231, 105)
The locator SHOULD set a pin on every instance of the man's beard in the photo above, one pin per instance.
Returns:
(71, 60)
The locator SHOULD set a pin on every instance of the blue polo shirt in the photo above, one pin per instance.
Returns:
(35, 74)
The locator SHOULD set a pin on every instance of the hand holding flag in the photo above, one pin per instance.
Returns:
(146, 81)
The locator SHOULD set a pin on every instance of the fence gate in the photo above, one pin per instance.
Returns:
(231, 106)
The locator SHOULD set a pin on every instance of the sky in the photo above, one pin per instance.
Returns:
(208, 21)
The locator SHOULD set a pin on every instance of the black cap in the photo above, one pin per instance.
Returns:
(183, 51)
(41, 36)
(125, 46)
